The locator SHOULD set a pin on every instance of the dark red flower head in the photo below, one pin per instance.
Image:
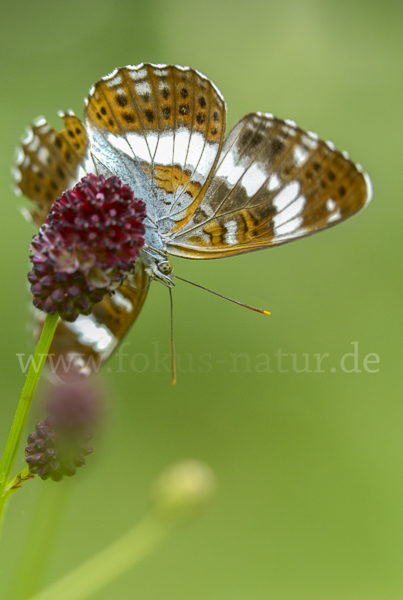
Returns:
(87, 246)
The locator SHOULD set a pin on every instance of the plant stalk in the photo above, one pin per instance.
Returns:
(107, 565)
(20, 418)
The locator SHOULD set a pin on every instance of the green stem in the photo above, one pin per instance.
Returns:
(17, 428)
(107, 565)
(40, 540)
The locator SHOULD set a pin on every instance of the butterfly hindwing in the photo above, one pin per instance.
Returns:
(273, 183)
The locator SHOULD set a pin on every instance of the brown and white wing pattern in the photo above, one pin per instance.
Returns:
(48, 162)
(273, 183)
(160, 129)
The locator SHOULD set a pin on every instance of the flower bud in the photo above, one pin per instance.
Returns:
(59, 444)
(182, 490)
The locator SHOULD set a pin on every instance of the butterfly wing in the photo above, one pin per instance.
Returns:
(48, 162)
(273, 183)
(160, 127)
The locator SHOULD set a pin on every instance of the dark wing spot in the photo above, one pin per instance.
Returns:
(53, 184)
(149, 115)
(200, 118)
(244, 223)
(309, 175)
(209, 234)
(146, 97)
(76, 145)
(214, 131)
(110, 122)
(276, 147)
(256, 139)
(316, 165)
(246, 137)
(98, 116)
(216, 116)
(128, 117)
(60, 173)
(71, 133)
(68, 156)
(200, 216)
(252, 137)
(166, 112)
(58, 142)
(184, 109)
(40, 174)
(165, 93)
(223, 230)
(184, 93)
(254, 219)
(265, 211)
(342, 191)
(331, 176)
(121, 100)
(78, 130)
(202, 101)
(103, 110)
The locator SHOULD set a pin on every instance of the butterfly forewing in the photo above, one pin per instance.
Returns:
(163, 126)
(273, 183)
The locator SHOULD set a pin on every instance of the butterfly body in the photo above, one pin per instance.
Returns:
(160, 129)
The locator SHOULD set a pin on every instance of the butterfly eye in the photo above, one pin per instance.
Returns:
(165, 267)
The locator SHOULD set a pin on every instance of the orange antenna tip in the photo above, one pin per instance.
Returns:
(259, 310)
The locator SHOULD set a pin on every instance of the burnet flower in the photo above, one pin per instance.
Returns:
(86, 247)
(59, 444)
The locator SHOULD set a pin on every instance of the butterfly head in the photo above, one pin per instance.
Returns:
(158, 268)
(165, 267)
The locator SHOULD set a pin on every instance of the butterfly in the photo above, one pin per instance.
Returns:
(160, 128)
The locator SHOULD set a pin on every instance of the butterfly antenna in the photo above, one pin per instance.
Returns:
(259, 310)
(172, 339)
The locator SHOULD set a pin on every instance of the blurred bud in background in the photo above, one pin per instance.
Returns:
(182, 491)
(59, 444)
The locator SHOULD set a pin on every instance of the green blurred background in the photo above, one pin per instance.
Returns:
(310, 465)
